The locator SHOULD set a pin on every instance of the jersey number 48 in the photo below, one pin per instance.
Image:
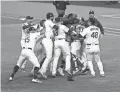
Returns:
(94, 35)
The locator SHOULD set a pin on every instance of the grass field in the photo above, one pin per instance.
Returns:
(10, 47)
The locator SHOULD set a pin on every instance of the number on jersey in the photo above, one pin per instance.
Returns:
(27, 39)
(55, 32)
(94, 35)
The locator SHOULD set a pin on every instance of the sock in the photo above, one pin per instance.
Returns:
(62, 64)
(15, 69)
(35, 72)
(42, 62)
(90, 65)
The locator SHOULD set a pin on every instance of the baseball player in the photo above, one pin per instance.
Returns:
(68, 20)
(62, 46)
(28, 53)
(39, 49)
(76, 43)
(92, 48)
(28, 23)
(48, 42)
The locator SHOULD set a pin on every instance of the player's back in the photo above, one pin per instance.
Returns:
(61, 31)
(48, 28)
(93, 34)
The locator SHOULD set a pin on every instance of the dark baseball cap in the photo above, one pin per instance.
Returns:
(91, 12)
(28, 17)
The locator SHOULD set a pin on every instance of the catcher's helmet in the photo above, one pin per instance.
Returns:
(49, 15)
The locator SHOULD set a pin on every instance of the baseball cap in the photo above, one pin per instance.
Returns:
(50, 14)
(91, 12)
(28, 17)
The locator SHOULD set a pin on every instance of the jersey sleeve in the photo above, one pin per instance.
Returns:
(25, 26)
(84, 32)
(51, 24)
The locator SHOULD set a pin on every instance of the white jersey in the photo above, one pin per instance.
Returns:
(92, 34)
(49, 28)
(61, 31)
(31, 39)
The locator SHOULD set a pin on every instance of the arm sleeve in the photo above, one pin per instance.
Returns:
(101, 28)
(26, 26)
(51, 24)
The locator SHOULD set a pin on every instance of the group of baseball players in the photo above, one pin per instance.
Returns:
(69, 42)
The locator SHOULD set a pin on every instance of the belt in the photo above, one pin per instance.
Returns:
(91, 44)
(76, 40)
(27, 48)
(60, 39)
(48, 37)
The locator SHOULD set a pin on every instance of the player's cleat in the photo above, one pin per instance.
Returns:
(44, 76)
(93, 75)
(36, 81)
(11, 79)
(102, 75)
(53, 76)
(69, 77)
(74, 72)
(60, 70)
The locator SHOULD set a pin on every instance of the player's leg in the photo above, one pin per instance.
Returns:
(99, 63)
(48, 45)
(61, 65)
(24, 64)
(90, 64)
(75, 46)
(55, 60)
(21, 59)
(85, 68)
(60, 12)
(39, 51)
(33, 59)
(66, 52)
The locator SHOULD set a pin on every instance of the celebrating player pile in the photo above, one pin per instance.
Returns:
(77, 40)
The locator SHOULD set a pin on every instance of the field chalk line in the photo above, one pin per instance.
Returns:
(38, 18)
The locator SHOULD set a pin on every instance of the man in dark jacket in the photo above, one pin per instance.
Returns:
(61, 7)
(97, 23)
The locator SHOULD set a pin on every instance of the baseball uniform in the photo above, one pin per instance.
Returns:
(61, 46)
(92, 48)
(48, 44)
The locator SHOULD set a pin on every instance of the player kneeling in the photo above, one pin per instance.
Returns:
(28, 53)
(92, 48)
